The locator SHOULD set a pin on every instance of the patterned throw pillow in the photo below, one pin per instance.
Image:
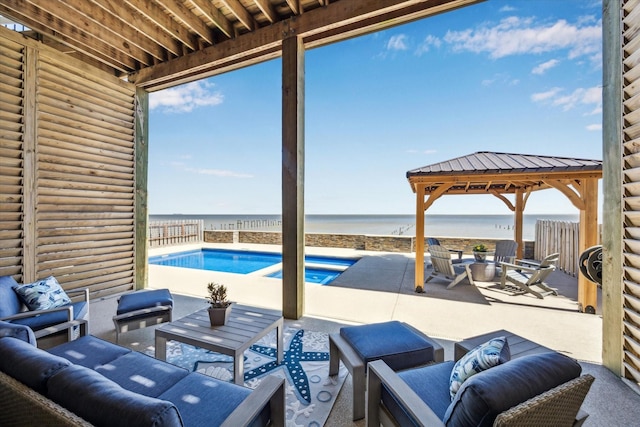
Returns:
(492, 353)
(43, 294)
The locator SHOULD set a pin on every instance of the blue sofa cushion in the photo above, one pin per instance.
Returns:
(487, 355)
(24, 333)
(144, 299)
(483, 396)
(394, 342)
(42, 294)
(431, 384)
(28, 364)
(89, 351)
(204, 400)
(105, 403)
(10, 304)
(142, 374)
(42, 321)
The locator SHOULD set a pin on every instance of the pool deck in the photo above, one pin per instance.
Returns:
(379, 288)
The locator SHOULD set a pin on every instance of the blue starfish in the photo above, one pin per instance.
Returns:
(291, 362)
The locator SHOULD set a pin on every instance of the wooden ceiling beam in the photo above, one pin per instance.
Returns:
(131, 17)
(294, 5)
(313, 23)
(189, 19)
(267, 10)
(214, 15)
(241, 14)
(36, 18)
(110, 29)
(163, 22)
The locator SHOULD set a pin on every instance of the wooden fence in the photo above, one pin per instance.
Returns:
(562, 237)
(166, 233)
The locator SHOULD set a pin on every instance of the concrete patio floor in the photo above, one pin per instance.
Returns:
(379, 287)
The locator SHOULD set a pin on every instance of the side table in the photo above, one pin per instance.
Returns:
(483, 271)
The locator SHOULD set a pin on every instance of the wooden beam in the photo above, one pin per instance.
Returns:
(523, 177)
(214, 15)
(419, 269)
(140, 23)
(141, 199)
(517, 231)
(435, 195)
(55, 29)
(162, 21)
(505, 200)
(267, 10)
(293, 178)
(575, 198)
(30, 170)
(613, 261)
(313, 23)
(587, 290)
(240, 13)
(189, 19)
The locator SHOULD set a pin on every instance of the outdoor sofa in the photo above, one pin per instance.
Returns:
(90, 381)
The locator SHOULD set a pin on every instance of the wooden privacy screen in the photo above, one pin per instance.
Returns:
(67, 170)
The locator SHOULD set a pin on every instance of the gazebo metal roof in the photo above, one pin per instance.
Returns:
(501, 174)
(488, 172)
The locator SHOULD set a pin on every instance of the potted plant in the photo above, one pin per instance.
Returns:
(220, 306)
(480, 252)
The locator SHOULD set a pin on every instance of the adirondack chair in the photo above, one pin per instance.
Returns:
(526, 274)
(443, 267)
(505, 252)
(432, 241)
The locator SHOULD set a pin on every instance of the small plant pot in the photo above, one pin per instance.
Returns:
(218, 316)
(480, 256)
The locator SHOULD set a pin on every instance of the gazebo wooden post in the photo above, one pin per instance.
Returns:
(517, 232)
(419, 275)
(587, 290)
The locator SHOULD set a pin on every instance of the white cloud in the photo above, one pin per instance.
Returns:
(582, 96)
(596, 127)
(183, 99)
(219, 173)
(542, 68)
(397, 42)
(507, 8)
(542, 96)
(426, 45)
(516, 36)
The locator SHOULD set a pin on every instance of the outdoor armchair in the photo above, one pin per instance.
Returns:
(543, 390)
(44, 322)
(443, 267)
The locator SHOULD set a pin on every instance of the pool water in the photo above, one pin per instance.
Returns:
(245, 262)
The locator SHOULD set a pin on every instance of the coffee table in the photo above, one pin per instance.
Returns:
(245, 326)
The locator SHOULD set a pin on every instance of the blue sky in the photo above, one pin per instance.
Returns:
(519, 76)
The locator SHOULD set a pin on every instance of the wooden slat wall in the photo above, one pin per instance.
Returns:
(79, 223)
(631, 187)
(11, 149)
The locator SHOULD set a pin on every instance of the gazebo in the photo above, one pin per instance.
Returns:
(500, 174)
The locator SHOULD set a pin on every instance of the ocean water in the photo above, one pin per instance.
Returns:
(481, 226)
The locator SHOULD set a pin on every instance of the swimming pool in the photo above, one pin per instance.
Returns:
(318, 269)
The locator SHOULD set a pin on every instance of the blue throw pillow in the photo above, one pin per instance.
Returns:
(492, 353)
(43, 294)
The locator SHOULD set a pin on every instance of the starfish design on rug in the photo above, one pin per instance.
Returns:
(290, 363)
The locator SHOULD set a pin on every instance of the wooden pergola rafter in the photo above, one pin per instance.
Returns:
(502, 174)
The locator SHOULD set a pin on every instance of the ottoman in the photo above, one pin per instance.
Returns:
(399, 344)
(140, 309)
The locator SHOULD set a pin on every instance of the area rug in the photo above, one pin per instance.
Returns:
(310, 391)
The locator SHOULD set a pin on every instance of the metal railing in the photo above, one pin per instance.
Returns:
(166, 233)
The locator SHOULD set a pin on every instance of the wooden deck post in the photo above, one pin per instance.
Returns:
(419, 273)
(140, 208)
(518, 224)
(30, 175)
(292, 177)
(587, 291)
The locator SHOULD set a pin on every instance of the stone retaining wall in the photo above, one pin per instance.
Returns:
(353, 241)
